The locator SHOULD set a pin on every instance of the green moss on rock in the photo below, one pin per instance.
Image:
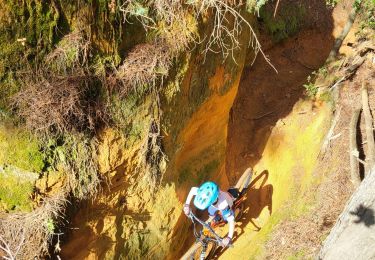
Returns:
(287, 22)
(19, 148)
(16, 189)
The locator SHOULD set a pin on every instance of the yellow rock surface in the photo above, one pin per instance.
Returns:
(285, 170)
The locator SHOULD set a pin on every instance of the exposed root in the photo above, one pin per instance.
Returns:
(224, 36)
(28, 235)
(152, 158)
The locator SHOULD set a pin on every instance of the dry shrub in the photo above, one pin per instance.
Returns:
(147, 63)
(71, 52)
(228, 23)
(144, 65)
(168, 11)
(28, 235)
(58, 105)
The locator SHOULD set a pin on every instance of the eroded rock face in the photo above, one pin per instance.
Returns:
(129, 219)
(111, 150)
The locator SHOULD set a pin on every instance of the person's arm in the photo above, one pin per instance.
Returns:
(193, 191)
(228, 239)
(231, 228)
(228, 214)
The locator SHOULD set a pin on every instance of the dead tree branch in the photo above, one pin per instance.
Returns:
(328, 138)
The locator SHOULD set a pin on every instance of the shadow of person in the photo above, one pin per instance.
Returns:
(365, 215)
(259, 196)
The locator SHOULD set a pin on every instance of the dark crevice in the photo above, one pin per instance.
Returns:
(361, 149)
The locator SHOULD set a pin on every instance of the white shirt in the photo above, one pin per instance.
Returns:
(224, 205)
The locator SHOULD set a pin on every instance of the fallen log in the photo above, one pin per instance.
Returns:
(354, 154)
(332, 55)
(353, 236)
(370, 155)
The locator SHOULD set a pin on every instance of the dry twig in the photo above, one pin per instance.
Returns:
(27, 235)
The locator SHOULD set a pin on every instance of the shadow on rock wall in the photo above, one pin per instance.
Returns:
(264, 97)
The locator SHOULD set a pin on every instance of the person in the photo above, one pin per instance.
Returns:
(209, 196)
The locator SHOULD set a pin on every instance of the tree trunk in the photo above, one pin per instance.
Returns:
(353, 236)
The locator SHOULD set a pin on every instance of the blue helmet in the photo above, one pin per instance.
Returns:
(207, 194)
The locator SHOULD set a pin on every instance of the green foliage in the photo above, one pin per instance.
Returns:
(36, 21)
(357, 4)
(123, 113)
(331, 3)
(50, 224)
(28, 31)
(19, 148)
(310, 88)
(323, 71)
(287, 22)
(15, 191)
(8, 87)
(42, 23)
(138, 9)
(297, 255)
(255, 5)
(176, 77)
(366, 9)
(104, 63)
(326, 96)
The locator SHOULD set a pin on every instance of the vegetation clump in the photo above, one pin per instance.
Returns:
(366, 9)
(16, 189)
(28, 235)
(144, 65)
(60, 105)
(20, 148)
(286, 23)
